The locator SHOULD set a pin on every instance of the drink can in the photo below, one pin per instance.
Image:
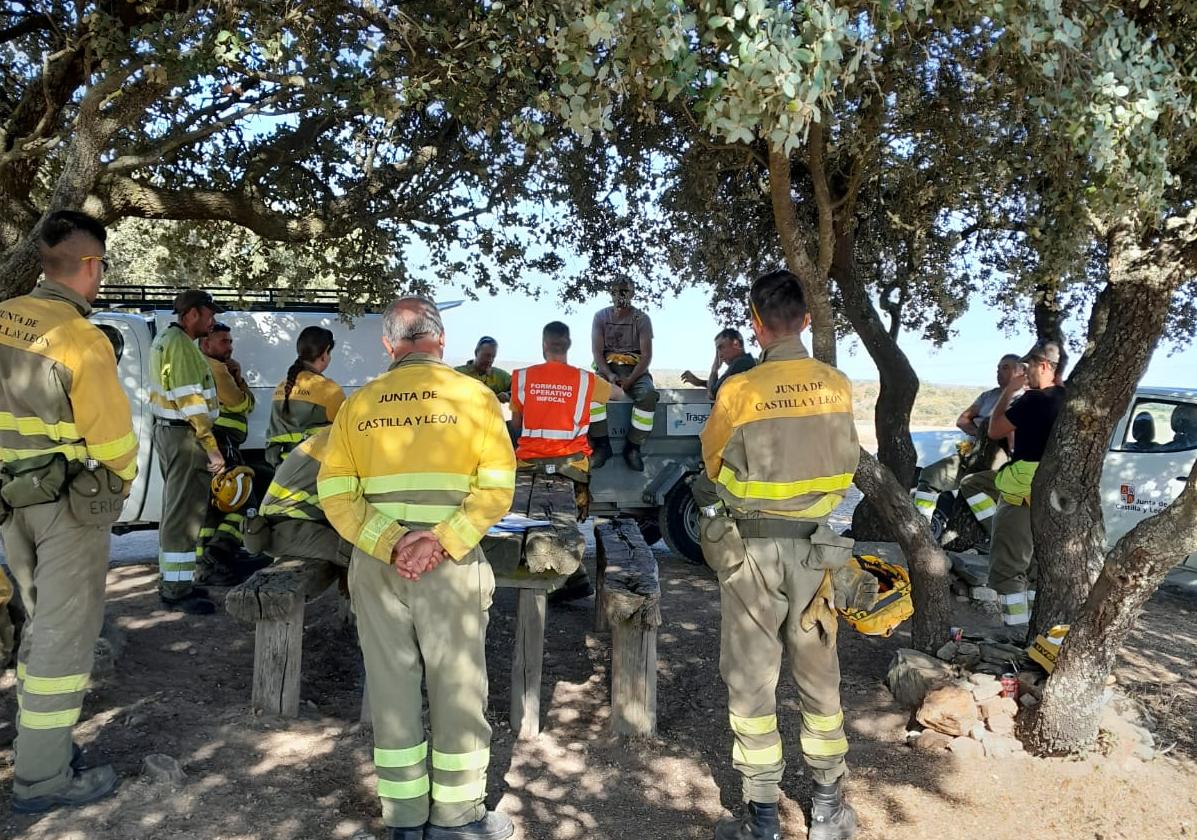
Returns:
(956, 634)
(1010, 686)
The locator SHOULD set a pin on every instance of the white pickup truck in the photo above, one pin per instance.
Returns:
(1151, 453)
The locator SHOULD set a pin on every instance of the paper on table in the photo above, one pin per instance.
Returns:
(516, 523)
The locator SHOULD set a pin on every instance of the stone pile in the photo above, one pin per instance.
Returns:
(957, 701)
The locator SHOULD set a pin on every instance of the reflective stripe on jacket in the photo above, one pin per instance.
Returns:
(554, 400)
(315, 400)
(181, 386)
(781, 440)
(293, 492)
(235, 403)
(422, 445)
(59, 392)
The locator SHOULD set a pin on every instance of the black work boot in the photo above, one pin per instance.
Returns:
(830, 817)
(85, 786)
(191, 604)
(601, 453)
(494, 826)
(407, 833)
(632, 457)
(759, 822)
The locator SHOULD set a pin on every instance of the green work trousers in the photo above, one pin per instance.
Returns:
(979, 493)
(432, 629)
(186, 491)
(644, 396)
(761, 601)
(60, 566)
(1012, 568)
(941, 476)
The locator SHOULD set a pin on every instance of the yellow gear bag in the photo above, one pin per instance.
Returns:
(1046, 648)
(893, 605)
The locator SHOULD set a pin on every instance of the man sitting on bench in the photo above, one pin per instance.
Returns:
(550, 415)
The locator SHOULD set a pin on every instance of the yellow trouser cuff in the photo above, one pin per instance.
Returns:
(764, 757)
(477, 760)
(459, 793)
(403, 790)
(406, 757)
(762, 725)
(823, 723)
(824, 749)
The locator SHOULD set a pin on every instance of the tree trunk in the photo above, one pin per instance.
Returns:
(899, 382)
(927, 563)
(815, 283)
(1067, 719)
(1127, 321)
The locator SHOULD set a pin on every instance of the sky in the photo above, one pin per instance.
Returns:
(684, 331)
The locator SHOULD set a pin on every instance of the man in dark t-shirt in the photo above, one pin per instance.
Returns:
(1012, 570)
(730, 355)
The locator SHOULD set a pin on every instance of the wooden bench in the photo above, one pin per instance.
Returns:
(535, 562)
(628, 602)
(273, 600)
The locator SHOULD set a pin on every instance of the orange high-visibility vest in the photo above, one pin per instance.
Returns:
(554, 399)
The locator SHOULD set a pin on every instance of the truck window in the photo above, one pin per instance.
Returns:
(1160, 426)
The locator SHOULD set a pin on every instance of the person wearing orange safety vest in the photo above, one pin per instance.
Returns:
(68, 454)
(780, 450)
(418, 467)
(550, 414)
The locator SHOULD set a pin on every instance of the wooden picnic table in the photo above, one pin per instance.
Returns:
(535, 562)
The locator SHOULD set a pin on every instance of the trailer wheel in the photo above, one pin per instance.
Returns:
(678, 520)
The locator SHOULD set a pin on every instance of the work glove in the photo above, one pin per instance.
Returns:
(820, 612)
(855, 589)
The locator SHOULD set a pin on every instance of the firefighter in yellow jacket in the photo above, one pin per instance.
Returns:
(68, 452)
(292, 511)
(419, 466)
(185, 407)
(221, 534)
(780, 450)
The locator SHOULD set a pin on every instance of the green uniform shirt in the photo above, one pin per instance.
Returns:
(499, 381)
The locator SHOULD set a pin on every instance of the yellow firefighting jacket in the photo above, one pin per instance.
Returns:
(236, 403)
(314, 403)
(422, 445)
(182, 388)
(293, 492)
(59, 392)
(781, 439)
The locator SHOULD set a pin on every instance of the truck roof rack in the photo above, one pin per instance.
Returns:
(276, 299)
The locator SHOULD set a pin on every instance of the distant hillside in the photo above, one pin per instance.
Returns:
(937, 406)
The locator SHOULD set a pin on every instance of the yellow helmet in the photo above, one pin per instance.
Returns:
(893, 604)
(232, 488)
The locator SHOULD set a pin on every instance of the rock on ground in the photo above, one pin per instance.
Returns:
(913, 674)
(950, 710)
(162, 769)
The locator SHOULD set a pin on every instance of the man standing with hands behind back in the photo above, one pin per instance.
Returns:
(418, 467)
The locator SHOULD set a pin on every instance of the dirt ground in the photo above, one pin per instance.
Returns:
(181, 687)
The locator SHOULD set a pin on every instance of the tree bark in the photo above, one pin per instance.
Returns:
(815, 284)
(1127, 322)
(1067, 720)
(928, 564)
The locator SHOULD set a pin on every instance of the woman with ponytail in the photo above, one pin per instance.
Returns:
(306, 401)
